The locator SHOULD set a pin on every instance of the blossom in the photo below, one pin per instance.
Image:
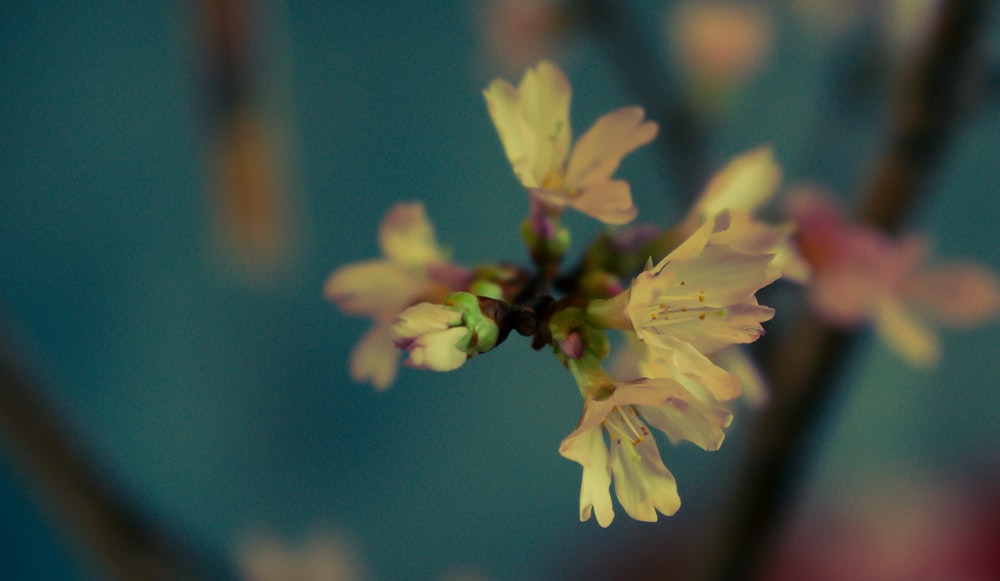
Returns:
(643, 485)
(701, 294)
(441, 337)
(744, 186)
(431, 333)
(532, 121)
(861, 275)
(414, 267)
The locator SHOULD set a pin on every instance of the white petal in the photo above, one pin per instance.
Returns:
(600, 150)
(749, 235)
(718, 277)
(719, 329)
(679, 359)
(643, 484)
(375, 358)
(595, 493)
(576, 446)
(424, 318)
(406, 236)
(695, 243)
(437, 350)
(686, 417)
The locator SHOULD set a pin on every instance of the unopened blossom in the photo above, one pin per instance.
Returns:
(532, 121)
(862, 275)
(431, 334)
(414, 268)
(620, 411)
(700, 295)
(442, 336)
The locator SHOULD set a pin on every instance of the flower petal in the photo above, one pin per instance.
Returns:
(598, 153)
(695, 243)
(736, 361)
(717, 330)
(375, 288)
(960, 295)
(643, 484)
(438, 350)
(424, 318)
(609, 201)
(750, 235)
(680, 360)
(375, 357)
(595, 485)
(906, 335)
(518, 138)
(749, 181)
(545, 95)
(406, 236)
(575, 446)
(719, 277)
(689, 418)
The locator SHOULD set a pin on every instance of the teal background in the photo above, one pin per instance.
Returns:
(221, 403)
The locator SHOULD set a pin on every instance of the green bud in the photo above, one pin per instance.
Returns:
(483, 330)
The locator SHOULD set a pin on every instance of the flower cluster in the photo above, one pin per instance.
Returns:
(679, 315)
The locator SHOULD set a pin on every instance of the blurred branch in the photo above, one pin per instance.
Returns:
(120, 543)
(802, 366)
(651, 81)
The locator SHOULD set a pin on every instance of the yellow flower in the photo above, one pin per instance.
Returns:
(533, 123)
(620, 410)
(701, 294)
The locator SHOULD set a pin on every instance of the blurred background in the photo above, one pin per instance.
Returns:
(181, 177)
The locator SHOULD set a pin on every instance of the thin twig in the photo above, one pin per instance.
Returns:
(803, 367)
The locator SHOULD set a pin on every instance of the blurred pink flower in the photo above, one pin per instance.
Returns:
(861, 275)
(719, 44)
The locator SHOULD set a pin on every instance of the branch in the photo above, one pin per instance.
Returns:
(803, 368)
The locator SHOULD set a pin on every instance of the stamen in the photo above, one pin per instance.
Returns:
(635, 432)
